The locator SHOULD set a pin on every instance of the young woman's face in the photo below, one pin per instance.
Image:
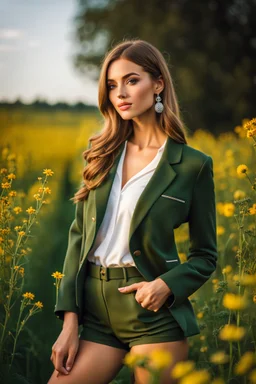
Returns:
(129, 84)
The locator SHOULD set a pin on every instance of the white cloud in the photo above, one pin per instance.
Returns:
(8, 48)
(9, 34)
(34, 43)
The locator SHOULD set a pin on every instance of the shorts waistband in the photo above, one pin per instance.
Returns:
(102, 273)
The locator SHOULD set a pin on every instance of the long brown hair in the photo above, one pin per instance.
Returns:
(104, 146)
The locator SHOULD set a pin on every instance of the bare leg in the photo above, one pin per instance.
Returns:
(179, 351)
(94, 364)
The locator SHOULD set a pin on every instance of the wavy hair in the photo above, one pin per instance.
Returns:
(104, 146)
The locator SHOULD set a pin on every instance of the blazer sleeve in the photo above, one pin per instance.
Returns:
(66, 300)
(184, 279)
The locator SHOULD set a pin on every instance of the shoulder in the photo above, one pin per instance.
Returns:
(195, 157)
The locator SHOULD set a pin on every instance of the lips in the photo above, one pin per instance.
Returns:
(124, 106)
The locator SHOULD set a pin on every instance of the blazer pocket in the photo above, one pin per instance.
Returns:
(173, 198)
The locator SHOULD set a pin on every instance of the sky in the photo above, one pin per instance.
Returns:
(36, 45)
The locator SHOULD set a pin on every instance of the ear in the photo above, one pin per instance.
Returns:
(159, 84)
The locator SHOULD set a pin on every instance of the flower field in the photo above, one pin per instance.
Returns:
(41, 167)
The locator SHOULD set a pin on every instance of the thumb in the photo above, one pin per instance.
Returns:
(130, 288)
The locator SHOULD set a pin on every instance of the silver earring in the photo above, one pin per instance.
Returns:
(159, 107)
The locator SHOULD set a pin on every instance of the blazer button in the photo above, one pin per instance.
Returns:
(137, 252)
(93, 219)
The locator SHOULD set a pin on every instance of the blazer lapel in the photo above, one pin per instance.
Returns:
(103, 191)
(162, 177)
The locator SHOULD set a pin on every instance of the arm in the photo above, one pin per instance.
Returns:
(186, 278)
(66, 295)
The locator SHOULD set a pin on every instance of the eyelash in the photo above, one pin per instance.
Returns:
(135, 81)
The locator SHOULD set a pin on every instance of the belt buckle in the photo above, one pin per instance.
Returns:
(104, 273)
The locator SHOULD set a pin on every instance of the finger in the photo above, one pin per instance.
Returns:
(59, 364)
(130, 288)
(70, 361)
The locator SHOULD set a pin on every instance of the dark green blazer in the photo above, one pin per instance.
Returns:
(180, 190)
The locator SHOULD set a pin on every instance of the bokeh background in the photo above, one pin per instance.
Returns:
(50, 56)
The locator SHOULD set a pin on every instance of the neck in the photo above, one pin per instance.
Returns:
(147, 134)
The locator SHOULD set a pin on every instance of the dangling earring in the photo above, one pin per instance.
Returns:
(159, 107)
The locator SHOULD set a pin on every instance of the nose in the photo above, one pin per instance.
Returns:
(121, 93)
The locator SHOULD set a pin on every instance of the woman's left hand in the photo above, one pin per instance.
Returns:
(150, 295)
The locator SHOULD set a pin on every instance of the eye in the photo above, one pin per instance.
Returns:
(109, 86)
(133, 81)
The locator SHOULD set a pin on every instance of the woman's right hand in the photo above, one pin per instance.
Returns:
(65, 348)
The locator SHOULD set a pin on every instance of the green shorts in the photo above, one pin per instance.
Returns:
(117, 319)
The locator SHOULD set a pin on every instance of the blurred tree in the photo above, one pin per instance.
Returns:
(209, 45)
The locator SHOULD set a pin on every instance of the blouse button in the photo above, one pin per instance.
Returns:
(137, 252)
(93, 219)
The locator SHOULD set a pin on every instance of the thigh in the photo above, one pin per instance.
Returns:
(178, 349)
(89, 366)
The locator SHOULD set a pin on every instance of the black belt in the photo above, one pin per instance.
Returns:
(102, 273)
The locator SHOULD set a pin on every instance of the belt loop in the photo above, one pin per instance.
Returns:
(107, 274)
(125, 274)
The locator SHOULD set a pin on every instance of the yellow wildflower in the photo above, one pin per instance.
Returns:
(252, 376)
(247, 360)
(40, 189)
(252, 210)
(6, 185)
(30, 210)
(227, 269)
(247, 279)
(182, 368)
(17, 210)
(28, 295)
(48, 172)
(47, 190)
(160, 359)
(21, 271)
(220, 208)
(254, 299)
(219, 357)
(202, 338)
(220, 230)
(251, 132)
(234, 302)
(249, 124)
(37, 196)
(12, 193)
(39, 304)
(228, 209)
(5, 231)
(230, 332)
(239, 194)
(196, 377)
(58, 275)
(3, 171)
(132, 359)
(16, 267)
(11, 176)
(242, 169)
(17, 227)
(215, 281)
(1, 239)
(200, 315)
(204, 349)
(39, 178)
(22, 233)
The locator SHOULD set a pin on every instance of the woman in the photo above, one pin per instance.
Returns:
(124, 282)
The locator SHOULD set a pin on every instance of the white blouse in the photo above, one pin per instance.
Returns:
(111, 247)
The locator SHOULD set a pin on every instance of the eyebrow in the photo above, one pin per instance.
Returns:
(125, 76)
